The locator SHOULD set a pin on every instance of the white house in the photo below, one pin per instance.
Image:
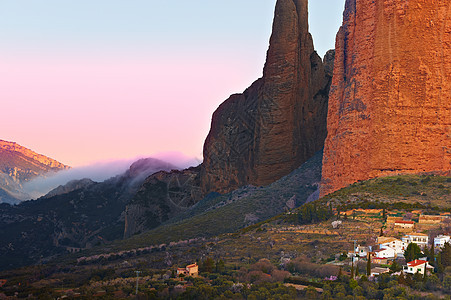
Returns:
(385, 253)
(418, 238)
(391, 242)
(417, 265)
(362, 251)
(439, 241)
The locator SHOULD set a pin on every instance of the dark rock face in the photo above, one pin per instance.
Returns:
(69, 187)
(279, 122)
(390, 101)
(162, 196)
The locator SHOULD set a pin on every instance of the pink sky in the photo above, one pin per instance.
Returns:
(79, 110)
(83, 81)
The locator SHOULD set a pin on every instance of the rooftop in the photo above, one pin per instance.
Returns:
(405, 222)
(416, 234)
(416, 262)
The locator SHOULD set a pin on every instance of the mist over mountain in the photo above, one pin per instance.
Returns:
(72, 217)
(100, 171)
(19, 165)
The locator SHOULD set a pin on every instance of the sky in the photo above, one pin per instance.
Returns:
(83, 81)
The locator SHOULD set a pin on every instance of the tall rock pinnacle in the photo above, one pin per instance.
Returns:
(280, 121)
(390, 99)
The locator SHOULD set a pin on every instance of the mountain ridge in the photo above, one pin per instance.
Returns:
(18, 165)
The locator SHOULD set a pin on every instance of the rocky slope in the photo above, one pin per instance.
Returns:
(390, 100)
(18, 165)
(227, 213)
(279, 122)
(162, 196)
(70, 218)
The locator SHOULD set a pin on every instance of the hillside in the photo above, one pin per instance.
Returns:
(281, 250)
(19, 165)
(70, 218)
(217, 214)
(229, 213)
(410, 189)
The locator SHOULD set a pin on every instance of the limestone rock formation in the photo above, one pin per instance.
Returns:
(19, 165)
(23, 164)
(280, 121)
(390, 99)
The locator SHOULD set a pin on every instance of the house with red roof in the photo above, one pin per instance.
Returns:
(404, 225)
(419, 266)
(189, 270)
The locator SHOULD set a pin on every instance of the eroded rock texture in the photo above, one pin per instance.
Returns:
(389, 104)
(162, 196)
(279, 122)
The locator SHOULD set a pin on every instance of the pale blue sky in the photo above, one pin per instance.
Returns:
(43, 25)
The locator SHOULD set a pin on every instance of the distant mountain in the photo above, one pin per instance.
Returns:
(19, 165)
(76, 216)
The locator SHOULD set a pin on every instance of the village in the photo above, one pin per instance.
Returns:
(371, 248)
(428, 233)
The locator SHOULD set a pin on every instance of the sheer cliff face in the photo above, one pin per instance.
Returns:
(280, 121)
(390, 99)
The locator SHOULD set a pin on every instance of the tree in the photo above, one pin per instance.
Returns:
(447, 283)
(395, 267)
(445, 255)
(220, 266)
(412, 252)
(431, 256)
(208, 265)
(368, 265)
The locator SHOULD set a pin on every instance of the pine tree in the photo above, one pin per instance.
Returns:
(352, 269)
(382, 232)
(220, 266)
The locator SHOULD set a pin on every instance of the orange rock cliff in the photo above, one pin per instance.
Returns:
(390, 99)
(23, 164)
(280, 121)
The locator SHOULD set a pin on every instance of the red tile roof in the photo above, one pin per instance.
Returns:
(191, 266)
(405, 222)
(416, 262)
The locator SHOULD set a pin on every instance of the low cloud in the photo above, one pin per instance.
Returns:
(99, 171)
